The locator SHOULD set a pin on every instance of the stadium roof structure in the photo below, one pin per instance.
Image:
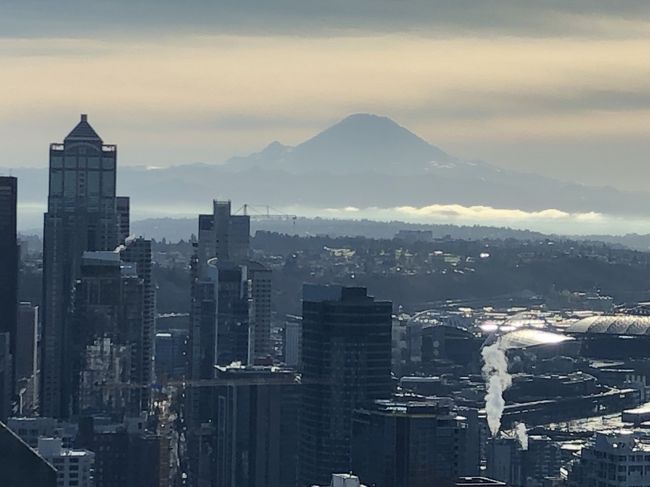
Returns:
(619, 325)
(530, 337)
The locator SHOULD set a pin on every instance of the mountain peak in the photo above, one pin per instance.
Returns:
(360, 142)
(363, 142)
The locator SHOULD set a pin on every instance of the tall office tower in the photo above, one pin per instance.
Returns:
(108, 347)
(346, 365)
(8, 261)
(21, 465)
(223, 235)
(408, 441)
(81, 216)
(257, 427)
(232, 313)
(137, 251)
(123, 210)
(226, 237)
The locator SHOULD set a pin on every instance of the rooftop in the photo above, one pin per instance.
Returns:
(618, 325)
(83, 132)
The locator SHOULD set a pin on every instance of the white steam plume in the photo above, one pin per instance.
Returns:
(497, 380)
(522, 435)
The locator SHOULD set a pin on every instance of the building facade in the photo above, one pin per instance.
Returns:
(74, 468)
(9, 257)
(81, 216)
(613, 458)
(346, 365)
(256, 436)
(408, 441)
(111, 346)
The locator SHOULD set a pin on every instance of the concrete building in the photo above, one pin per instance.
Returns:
(20, 465)
(9, 256)
(74, 468)
(614, 458)
(81, 216)
(409, 441)
(347, 346)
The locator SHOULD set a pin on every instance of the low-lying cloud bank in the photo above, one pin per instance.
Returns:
(547, 221)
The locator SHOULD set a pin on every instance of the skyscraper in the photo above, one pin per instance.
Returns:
(137, 251)
(223, 235)
(259, 279)
(81, 216)
(111, 342)
(8, 262)
(256, 427)
(346, 365)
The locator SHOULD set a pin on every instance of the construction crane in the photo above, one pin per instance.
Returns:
(264, 212)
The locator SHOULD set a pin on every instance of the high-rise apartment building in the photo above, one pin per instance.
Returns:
(346, 361)
(8, 262)
(81, 216)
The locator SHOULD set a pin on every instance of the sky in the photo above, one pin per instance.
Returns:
(557, 88)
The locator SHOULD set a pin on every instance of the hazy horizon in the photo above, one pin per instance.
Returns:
(556, 90)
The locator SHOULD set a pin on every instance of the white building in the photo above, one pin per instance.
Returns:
(74, 467)
(613, 459)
